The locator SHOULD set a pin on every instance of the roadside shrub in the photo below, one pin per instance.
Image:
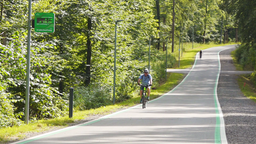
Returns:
(7, 117)
(246, 56)
(45, 101)
(127, 84)
(91, 97)
(159, 67)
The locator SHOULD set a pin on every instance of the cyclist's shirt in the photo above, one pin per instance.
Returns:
(145, 80)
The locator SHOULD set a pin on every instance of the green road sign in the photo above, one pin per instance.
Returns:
(44, 22)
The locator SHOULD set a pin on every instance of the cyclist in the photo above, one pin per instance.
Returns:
(146, 79)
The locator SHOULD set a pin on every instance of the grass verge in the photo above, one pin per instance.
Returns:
(40, 126)
(247, 87)
(188, 54)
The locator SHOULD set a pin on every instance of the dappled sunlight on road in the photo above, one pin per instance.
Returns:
(187, 114)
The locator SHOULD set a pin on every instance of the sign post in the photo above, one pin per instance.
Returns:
(28, 66)
(45, 22)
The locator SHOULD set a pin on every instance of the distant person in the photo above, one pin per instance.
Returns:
(201, 53)
(146, 79)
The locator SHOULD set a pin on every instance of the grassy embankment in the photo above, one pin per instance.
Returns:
(187, 60)
(246, 86)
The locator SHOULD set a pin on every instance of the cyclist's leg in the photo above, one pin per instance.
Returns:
(148, 91)
(141, 91)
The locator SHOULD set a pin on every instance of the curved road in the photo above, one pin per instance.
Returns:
(190, 113)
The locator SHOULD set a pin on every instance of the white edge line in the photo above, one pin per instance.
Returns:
(222, 122)
(75, 126)
(103, 117)
(179, 83)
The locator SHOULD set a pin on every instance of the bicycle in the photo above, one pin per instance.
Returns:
(143, 98)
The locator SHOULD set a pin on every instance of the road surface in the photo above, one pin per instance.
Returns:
(190, 113)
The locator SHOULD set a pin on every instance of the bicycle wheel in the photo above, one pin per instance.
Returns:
(143, 101)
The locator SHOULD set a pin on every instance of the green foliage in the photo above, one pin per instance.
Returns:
(91, 97)
(7, 117)
(246, 57)
(159, 67)
(84, 39)
(244, 11)
(44, 100)
(246, 19)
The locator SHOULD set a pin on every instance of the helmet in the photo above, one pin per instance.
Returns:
(146, 71)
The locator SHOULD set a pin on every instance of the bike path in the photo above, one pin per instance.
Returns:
(190, 113)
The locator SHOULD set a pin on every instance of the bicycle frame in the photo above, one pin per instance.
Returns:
(144, 100)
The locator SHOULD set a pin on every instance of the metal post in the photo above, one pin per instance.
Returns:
(182, 41)
(71, 99)
(173, 22)
(221, 30)
(28, 66)
(166, 61)
(179, 51)
(193, 37)
(182, 46)
(114, 90)
(114, 84)
(149, 54)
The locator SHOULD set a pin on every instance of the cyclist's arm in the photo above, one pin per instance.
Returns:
(150, 81)
(139, 81)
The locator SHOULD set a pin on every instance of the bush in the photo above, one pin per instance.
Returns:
(246, 56)
(159, 67)
(127, 84)
(91, 97)
(7, 117)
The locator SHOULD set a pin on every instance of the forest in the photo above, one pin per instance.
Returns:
(80, 53)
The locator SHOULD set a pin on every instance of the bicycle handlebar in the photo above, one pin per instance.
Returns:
(145, 85)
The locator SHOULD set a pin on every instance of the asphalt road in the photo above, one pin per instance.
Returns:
(190, 113)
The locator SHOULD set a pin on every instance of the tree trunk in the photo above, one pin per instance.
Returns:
(236, 34)
(224, 41)
(61, 82)
(3, 41)
(2, 7)
(227, 36)
(61, 86)
(89, 54)
(221, 30)
(158, 17)
(164, 48)
(173, 22)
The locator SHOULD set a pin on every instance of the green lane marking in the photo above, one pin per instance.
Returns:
(217, 126)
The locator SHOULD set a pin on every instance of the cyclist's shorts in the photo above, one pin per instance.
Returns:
(141, 87)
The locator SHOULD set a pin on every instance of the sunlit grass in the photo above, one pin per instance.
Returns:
(247, 88)
(187, 60)
(187, 55)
